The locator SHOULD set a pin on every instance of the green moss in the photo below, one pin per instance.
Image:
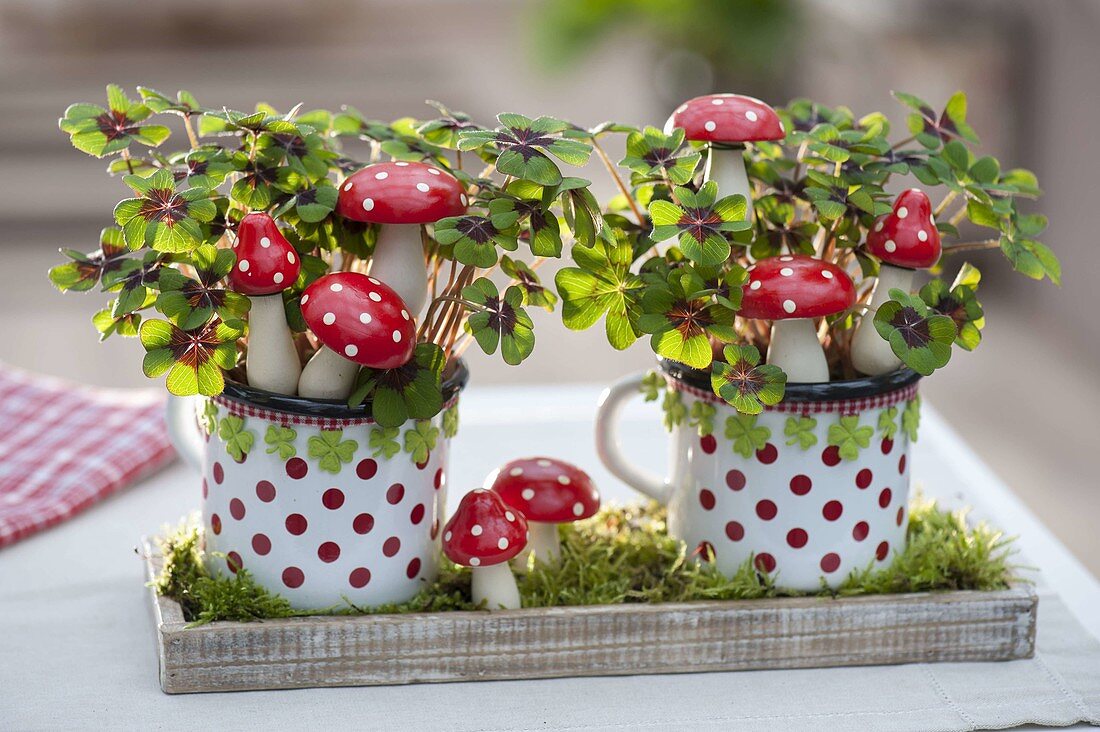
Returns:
(623, 554)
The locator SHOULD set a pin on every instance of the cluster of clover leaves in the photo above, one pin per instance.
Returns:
(164, 261)
(817, 192)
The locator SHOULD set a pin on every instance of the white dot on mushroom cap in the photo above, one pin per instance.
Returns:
(755, 285)
(350, 350)
(397, 336)
(717, 102)
(243, 266)
(329, 318)
(789, 305)
(433, 171)
(462, 197)
(922, 235)
(336, 287)
(368, 204)
(265, 242)
(826, 274)
(750, 115)
(405, 314)
(681, 108)
(502, 543)
(903, 212)
(305, 299)
(515, 472)
(527, 494)
(278, 278)
(290, 257)
(401, 164)
(348, 185)
(878, 226)
(786, 271)
(364, 318)
(543, 463)
(932, 220)
(890, 246)
(709, 126)
(374, 281)
(422, 187)
(564, 479)
(509, 515)
(476, 530)
(447, 536)
(381, 176)
(374, 296)
(786, 259)
(474, 561)
(578, 508)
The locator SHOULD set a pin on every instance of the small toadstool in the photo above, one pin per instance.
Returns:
(266, 265)
(401, 196)
(548, 492)
(791, 291)
(904, 240)
(359, 322)
(484, 534)
(726, 122)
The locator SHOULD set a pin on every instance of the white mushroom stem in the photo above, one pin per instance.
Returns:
(495, 585)
(726, 167)
(328, 375)
(544, 543)
(398, 260)
(795, 348)
(273, 362)
(871, 353)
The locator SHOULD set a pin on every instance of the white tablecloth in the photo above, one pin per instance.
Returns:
(76, 642)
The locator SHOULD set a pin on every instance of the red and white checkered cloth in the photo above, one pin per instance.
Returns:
(64, 446)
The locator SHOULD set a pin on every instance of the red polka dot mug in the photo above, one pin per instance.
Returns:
(809, 490)
(318, 502)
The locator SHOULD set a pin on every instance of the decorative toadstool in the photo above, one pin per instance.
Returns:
(401, 196)
(791, 291)
(484, 534)
(904, 240)
(359, 321)
(726, 122)
(548, 492)
(266, 265)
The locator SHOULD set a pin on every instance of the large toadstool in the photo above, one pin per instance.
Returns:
(266, 265)
(726, 122)
(791, 291)
(401, 196)
(548, 492)
(904, 240)
(484, 534)
(360, 322)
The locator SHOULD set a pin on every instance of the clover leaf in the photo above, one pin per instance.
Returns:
(85, 270)
(682, 315)
(523, 143)
(108, 324)
(421, 440)
(674, 409)
(238, 440)
(100, 132)
(475, 238)
(193, 359)
(652, 385)
(910, 418)
(960, 303)
(534, 293)
(700, 222)
(191, 302)
(888, 422)
(163, 217)
(133, 279)
(450, 421)
(849, 437)
(653, 155)
(280, 440)
(499, 321)
(331, 450)
(745, 383)
(262, 180)
(701, 417)
(800, 430)
(602, 285)
(208, 420)
(445, 129)
(747, 436)
(918, 337)
(542, 231)
(383, 442)
(206, 167)
(931, 130)
(411, 390)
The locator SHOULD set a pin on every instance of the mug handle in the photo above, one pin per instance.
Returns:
(609, 448)
(182, 431)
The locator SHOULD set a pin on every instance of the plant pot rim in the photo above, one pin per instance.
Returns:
(332, 409)
(803, 393)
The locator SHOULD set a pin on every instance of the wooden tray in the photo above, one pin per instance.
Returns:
(603, 640)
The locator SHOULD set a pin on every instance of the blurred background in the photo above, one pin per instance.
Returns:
(1027, 400)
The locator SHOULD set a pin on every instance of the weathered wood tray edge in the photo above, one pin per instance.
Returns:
(588, 640)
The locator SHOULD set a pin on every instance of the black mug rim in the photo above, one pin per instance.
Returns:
(328, 408)
(803, 393)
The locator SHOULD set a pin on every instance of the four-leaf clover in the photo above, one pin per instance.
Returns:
(499, 321)
(849, 436)
(744, 383)
(523, 143)
(747, 436)
(163, 217)
(193, 359)
(331, 450)
(700, 222)
(99, 132)
(917, 336)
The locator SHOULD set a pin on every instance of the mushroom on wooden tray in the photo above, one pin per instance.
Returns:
(484, 534)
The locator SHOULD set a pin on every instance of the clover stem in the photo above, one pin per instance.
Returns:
(618, 181)
(958, 216)
(951, 195)
(906, 141)
(969, 246)
(871, 353)
(190, 130)
(129, 163)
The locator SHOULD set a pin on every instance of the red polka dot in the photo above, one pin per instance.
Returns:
(421, 466)
(735, 479)
(219, 473)
(293, 577)
(265, 491)
(395, 493)
(830, 562)
(216, 524)
(205, 489)
(236, 508)
(860, 531)
(864, 478)
(296, 524)
(413, 569)
(831, 455)
(392, 546)
(435, 528)
(767, 454)
(708, 443)
(735, 531)
(261, 544)
(832, 510)
(901, 465)
(359, 577)
(882, 550)
(765, 562)
(766, 510)
(296, 468)
(439, 479)
(328, 552)
(797, 538)
(366, 470)
(233, 561)
(417, 514)
(363, 523)
(706, 499)
(887, 445)
(801, 485)
(901, 515)
(704, 551)
(884, 497)
(333, 498)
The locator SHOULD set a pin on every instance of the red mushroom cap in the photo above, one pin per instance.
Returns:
(907, 236)
(266, 262)
(796, 286)
(401, 193)
(483, 531)
(546, 490)
(360, 318)
(726, 118)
